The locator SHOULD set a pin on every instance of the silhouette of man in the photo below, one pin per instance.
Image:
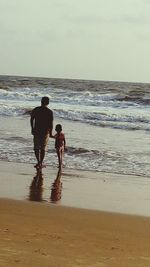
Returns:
(36, 188)
(41, 128)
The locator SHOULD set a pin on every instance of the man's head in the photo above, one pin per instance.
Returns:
(45, 101)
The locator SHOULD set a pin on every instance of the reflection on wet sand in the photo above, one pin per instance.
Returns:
(56, 188)
(36, 188)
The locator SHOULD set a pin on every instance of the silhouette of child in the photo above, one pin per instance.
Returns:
(60, 144)
(56, 188)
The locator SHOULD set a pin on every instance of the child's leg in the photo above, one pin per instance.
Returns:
(59, 157)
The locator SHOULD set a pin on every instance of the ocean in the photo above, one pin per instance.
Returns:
(106, 123)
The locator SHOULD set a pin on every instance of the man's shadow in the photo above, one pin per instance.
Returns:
(56, 188)
(36, 188)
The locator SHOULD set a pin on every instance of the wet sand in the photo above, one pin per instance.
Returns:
(82, 189)
(45, 221)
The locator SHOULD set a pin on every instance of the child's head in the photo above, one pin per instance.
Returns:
(58, 128)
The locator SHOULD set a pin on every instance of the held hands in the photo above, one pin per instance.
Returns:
(51, 136)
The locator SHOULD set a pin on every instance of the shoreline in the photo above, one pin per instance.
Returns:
(108, 192)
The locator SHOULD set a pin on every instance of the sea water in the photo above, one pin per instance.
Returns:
(106, 124)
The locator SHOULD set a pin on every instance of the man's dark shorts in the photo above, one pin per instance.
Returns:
(40, 141)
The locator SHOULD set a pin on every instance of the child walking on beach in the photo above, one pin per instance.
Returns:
(60, 144)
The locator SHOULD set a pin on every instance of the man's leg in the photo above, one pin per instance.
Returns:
(37, 155)
(44, 142)
(42, 156)
(37, 149)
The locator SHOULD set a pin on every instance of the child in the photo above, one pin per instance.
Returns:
(60, 143)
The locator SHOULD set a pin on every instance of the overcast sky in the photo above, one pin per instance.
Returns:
(85, 39)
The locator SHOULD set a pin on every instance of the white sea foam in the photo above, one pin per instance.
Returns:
(84, 106)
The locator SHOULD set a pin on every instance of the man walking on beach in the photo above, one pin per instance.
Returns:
(41, 128)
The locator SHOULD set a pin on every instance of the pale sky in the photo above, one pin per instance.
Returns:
(85, 39)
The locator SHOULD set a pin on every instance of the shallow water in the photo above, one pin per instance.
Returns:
(89, 147)
(106, 123)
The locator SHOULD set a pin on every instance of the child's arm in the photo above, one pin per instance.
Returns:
(64, 143)
(53, 136)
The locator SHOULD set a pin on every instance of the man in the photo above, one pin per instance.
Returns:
(41, 128)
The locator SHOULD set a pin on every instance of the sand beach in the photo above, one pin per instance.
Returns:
(39, 235)
(70, 231)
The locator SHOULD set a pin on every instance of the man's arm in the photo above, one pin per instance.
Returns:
(32, 123)
(51, 125)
